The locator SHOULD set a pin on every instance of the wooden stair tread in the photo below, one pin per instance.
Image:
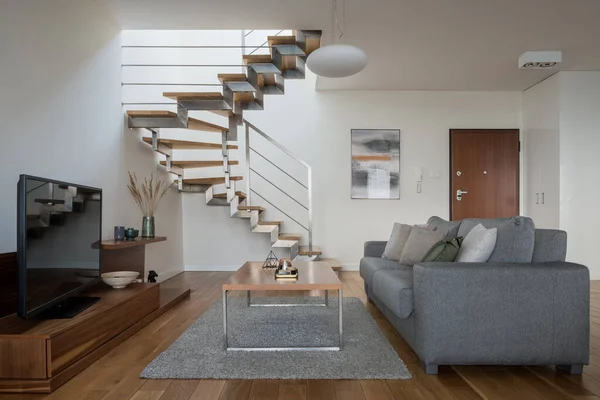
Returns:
(251, 208)
(257, 59)
(281, 40)
(241, 195)
(270, 222)
(290, 236)
(151, 114)
(193, 95)
(210, 181)
(189, 145)
(198, 164)
(193, 123)
(333, 263)
(303, 251)
(232, 78)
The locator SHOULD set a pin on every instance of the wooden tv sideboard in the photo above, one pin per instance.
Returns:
(37, 356)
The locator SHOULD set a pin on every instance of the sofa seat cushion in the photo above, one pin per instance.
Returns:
(370, 265)
(515, 238)
(395, 290)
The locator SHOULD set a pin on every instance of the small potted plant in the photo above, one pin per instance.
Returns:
(147, 194)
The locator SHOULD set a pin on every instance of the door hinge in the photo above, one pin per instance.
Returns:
(519, 146)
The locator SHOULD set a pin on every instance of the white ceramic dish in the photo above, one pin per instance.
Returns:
(119, 279)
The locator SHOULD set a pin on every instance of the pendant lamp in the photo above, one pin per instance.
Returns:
(337, 60)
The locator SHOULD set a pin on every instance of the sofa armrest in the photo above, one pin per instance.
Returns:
(474, 313)
(374, 248)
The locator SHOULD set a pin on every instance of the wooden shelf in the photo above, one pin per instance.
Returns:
(114, 245)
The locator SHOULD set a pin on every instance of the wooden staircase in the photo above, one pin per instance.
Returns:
(266, 75)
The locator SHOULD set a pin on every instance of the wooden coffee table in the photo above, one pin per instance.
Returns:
(311, 276)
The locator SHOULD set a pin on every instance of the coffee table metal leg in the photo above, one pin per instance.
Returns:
(340, 315)
(326, 298)
(225, 319)
(248, 296)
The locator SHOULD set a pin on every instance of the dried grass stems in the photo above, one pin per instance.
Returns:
(148, 193)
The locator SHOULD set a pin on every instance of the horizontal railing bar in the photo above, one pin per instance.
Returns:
(185, 65)
(149, 104)
(279, 168)
(170, 84)
(283, 212)
(149, 46)
(276, 144)
(278, 188)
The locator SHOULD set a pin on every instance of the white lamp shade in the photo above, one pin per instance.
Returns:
(337, 61)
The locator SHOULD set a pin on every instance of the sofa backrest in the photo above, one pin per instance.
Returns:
(550, 245)
(518, 240)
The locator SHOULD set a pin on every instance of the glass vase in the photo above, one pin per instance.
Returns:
(148, 227)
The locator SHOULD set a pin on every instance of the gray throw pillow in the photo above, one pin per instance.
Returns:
(440, 223)
(421, 239)
(478, 245)
(398, 238)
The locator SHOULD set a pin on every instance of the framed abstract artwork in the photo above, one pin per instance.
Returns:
(375, 163)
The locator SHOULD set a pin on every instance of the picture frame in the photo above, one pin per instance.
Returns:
(375, 164)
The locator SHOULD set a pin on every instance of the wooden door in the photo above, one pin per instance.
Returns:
(484, 165)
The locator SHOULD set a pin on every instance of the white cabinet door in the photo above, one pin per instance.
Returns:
(533, 169)
(550, 180)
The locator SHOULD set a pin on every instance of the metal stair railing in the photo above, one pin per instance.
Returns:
(249, 127)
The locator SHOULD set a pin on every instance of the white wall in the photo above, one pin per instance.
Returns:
(61, 116)
(580, 165)
(316, 126)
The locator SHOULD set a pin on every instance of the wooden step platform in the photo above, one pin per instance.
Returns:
(193, 123)
(251, 208)
(189, 145)
(240, 194)
(290, 236)
(257, 59)
(188, 96)
(198, 164)
(270, 222)
(232, 78)
(210, 181)
(303, 251)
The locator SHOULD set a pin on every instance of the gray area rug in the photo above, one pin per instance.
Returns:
(199, 353)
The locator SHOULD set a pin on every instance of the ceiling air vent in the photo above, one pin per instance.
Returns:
(539, 59)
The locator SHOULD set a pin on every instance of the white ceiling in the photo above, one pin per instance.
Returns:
(411, 44)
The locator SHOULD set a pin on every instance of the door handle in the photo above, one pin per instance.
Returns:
(537, 198)
(543, 198)
(459, 194)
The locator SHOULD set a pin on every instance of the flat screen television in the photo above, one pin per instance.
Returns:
(59, 227)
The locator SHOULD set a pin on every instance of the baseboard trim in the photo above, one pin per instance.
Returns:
(350, 267)
(206, 268)
(164, 275)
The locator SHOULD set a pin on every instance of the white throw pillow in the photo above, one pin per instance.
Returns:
(478, 245)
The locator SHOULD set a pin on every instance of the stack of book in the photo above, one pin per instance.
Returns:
(288, 273)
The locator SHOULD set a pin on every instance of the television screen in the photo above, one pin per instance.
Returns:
(59, 231)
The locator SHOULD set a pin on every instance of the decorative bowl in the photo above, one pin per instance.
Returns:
(119, 279)
(131, 234)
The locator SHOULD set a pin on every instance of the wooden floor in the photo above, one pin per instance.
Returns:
(116, 375)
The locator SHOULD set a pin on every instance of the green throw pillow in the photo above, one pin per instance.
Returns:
(444, 251)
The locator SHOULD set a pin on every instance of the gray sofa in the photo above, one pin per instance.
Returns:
(525, 306)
